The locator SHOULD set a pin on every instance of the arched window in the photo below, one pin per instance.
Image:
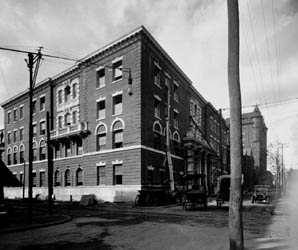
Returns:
(34, 147)
(79, 177)
(9, 156)
(57, 178)
(15, 155)
(22, 153)
(67, 180)
(101, 137)
(118, 134)
(157, 135)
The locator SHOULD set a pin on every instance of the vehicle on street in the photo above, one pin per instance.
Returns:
(195, 191)
(223, 189)
(261, 194)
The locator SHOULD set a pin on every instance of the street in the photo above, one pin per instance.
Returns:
(152, 228)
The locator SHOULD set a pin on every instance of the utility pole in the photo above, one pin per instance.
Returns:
(50, 165)
(169, 158)
(30, 166)
(32, 78)
(235, 209)
(220, 142)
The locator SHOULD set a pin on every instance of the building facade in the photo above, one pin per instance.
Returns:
(108, 116)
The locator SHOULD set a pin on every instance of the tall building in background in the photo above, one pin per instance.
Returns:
(108, 117)
(254, 140)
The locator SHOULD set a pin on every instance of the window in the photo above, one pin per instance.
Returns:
(42, 178)
(118, 135)
(60, 122)
(176, 86)
(67, 93)
(15, 115)
(100, 78)
(156, 75)
(79, 177)
(157, 136)
(100, 175)
(74, 117)
(9, 137)
(157, 107)
(101, 137)
(117, 104)
(15, 155)
(22, 154)
(67, 149)
(42, 150)
(34, 128)
(34, 146)
(176, 119)
(21, 112)
(15, 136)
(42, 127)
(74, 91)
(117, 70)
(57, 151)
(8, 156)
(57, 178)
(67, 180)
(8, 117)
(21, 134)
(34, 106)
(67, 119)
(60, 96)
(42, 102)
(79, 144)
(101, 109)
(117, 174)
(34, 179)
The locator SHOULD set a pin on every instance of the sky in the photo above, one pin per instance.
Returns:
(193, 32)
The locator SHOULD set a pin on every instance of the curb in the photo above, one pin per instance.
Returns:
(19, 229)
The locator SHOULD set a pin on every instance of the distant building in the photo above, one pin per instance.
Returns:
(108, 125)
(254, 142)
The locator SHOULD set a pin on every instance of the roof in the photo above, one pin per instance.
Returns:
(101, 50)
(7, 179)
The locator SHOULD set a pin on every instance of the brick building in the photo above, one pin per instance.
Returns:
(108, 124)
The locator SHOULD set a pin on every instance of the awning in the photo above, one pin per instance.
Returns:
(7, 179)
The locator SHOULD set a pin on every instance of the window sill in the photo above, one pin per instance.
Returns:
(118, 80)
(117, 114)
(101, 87)
(157, 117)
(157, 85)
(100, 119)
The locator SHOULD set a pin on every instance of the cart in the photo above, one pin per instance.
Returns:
(194, 192)
(223, 189)
(154, 196)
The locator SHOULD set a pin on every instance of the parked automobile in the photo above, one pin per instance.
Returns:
(261, 194)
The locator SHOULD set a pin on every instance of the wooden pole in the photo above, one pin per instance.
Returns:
(235, 209)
